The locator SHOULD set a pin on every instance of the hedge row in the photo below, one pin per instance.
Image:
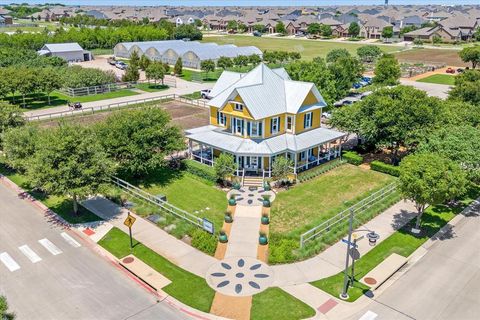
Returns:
(201, 170)
(315, 172)
(385, 168)
(353, 157)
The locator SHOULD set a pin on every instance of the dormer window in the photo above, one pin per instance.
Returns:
(237, 106)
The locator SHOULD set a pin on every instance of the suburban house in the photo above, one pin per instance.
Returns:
(71, 52)
(261, 115)
(373, 27)
(5, 20)
(457, 28)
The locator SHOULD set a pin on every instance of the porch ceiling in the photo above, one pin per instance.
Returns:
(217, 138)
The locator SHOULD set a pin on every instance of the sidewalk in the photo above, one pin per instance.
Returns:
(183, 87)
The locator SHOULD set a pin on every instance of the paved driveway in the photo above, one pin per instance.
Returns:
(48, 272)
(432, 89)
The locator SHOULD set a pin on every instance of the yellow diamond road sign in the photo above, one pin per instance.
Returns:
(129, 221)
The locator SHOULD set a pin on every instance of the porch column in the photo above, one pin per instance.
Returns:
(318, 154)
(201, 153)
(295, 164)
(328, 150)
(211, 150)
(269, 166)
(340, 150)
(190, 151)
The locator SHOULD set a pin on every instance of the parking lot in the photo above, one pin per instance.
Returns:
(100, 62)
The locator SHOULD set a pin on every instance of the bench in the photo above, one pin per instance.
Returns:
(378, 275)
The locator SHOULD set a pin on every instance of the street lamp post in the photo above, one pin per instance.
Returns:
(372, 240)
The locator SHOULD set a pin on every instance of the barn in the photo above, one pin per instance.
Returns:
(71, 52)
(191, 52)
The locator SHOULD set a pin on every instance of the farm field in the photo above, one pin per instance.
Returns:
(309, 49)
(431, 56)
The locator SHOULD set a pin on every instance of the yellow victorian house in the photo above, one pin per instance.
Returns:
(261, 115)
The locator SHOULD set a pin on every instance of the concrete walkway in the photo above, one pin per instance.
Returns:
(183, 87)
(243, 240)
(178, 252)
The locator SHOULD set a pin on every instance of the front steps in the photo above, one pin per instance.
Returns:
(253, 182)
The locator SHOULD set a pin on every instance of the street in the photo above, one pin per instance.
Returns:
(444, 284)
(48, 272)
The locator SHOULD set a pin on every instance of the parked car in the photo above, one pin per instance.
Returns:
(326, 115)
(121, 65)
(460, 70)
(257, 34)
(450, 70)
(112, 61)
(205, 94)
(367, 79)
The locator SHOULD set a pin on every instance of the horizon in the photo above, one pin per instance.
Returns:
(250, 3)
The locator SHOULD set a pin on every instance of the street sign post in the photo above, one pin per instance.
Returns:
(352, 244)
(129, 221)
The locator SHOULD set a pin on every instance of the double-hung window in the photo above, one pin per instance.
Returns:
(238, 126)
(255, 129)
(307, 120)
(221, 119)
(274, 125)
(237, 106)
(289, 123)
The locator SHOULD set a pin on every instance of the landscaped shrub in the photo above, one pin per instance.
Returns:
(353, 158)
(385, 168)
(204, 241)
(200, 170)
(283, 249)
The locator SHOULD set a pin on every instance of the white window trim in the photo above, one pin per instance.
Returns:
(308, 124)
(257, 126)
(277, 125)
(221, 119)
(237, 106)
(286, 124)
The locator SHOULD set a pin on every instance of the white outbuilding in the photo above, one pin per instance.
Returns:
(71, 52)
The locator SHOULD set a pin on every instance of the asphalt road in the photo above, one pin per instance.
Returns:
(432, 89)
(47, 272)
(444, 284)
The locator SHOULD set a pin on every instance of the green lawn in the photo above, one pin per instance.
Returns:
(40, 101)
(191, 75)
(102, 52)
(274, 303)
(195, 95)
(151, 87)
(309, 49)
(402, 242)
(439, 79)
(186, 287)
(62, 206)
(187, 192)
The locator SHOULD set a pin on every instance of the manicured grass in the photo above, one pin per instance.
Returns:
(40, 101)
(439, 79)
(316, 200)
(309, 49)
(102, 52)
(274, 303)
(151, 87)
(191, 75)
(187, 192)
(195, 95)
(61, 205)
(186, 287)
(402, 242)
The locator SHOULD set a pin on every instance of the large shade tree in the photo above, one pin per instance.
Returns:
(10, 117)
(471, 55)
(429, 179)
(69, 161)
(387, 71)
(467, 87)
(19, 145)
(139, 140)
(224, 166)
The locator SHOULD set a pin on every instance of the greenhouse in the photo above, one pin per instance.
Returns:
(191, 52)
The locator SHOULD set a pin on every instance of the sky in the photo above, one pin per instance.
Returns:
(244, 2)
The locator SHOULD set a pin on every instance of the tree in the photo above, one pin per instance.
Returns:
(207, 66)
(187, 31)
(259, 28)
(69, 161)
(466, 87)
(198, 23)
(281, 168)
(134, 59)
(144, 63)
(49, 81)
(471, 54)
(232, 25)
(387, 32)
(428, 178)
(369, 53)
(241, 27)
(178, 68)
(387, 71)
(10, 117)
(345, 70)
(4, 314)
(240, 61)
(280, 28)
(436, 39)
(314, 28)
(224, 166)
(28, 83)
(19, 146)
(459, 144)
(156, 72)
(131, 73)
(476, 35)
(254, 59)
(418, 42)
(326, 30)
(140, 139)
(336, 54)
(224, 63)
(353, 29)
(294, 55)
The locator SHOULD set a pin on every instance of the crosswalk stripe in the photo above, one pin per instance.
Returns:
(70, 240)
(30, 254)
(8, 261)
(47, 244)
(369, 315)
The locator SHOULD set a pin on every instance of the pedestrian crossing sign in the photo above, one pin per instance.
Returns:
(129, 221)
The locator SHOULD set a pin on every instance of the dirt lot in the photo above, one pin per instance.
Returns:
(431, 56)
(184, 115)
(101, 63)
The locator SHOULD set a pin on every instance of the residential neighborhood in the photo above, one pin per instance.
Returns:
(231, 161)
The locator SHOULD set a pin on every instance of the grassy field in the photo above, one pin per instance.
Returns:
(439, 79)
(309, 49)
(431, 56)
(185, 287)
(40, 101)
(402, 242)
(151, 87)
(61, 205)
(274, 303)
(102, 52)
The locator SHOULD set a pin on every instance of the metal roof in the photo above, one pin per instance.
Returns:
(267, 92)
(62, 47)
(218, 138)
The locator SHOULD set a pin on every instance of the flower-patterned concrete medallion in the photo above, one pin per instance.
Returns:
(239, 276)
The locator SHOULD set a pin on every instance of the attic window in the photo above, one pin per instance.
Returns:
(237, 106)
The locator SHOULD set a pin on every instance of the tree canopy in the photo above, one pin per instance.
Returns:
(353, 29)
(224, 166)
(387, 71)
(155, 71)
(336, 54)
(10, 117)
(467, 87)
(471, 55)
(369, 53)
